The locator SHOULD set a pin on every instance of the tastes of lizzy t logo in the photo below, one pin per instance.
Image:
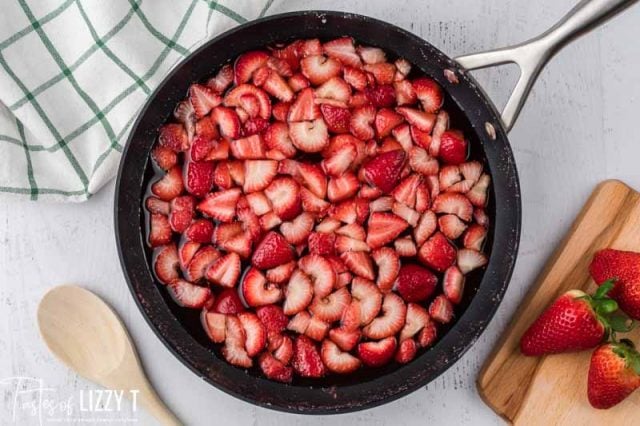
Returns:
(28, 400)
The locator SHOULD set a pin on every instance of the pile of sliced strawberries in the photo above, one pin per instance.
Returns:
(314, 203)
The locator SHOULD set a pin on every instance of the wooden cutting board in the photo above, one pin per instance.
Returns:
(552, 390)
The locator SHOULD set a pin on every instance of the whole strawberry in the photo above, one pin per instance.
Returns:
(624, 267)
(614, 373)
(575, 321)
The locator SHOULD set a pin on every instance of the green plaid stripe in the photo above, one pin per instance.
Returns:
(31, 95)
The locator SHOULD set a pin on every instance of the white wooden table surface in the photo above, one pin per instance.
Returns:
(578, 128)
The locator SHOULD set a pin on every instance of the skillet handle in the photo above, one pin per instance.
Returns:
(532, 55)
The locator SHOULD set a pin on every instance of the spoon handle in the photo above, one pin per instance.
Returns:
(154, 405)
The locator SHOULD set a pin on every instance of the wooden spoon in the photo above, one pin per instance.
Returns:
(87, 335)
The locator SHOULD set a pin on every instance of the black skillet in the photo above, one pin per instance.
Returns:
(470, 109)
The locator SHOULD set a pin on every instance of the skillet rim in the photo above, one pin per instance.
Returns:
(327, 400)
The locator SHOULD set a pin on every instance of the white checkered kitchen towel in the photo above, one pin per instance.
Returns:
(73, 75)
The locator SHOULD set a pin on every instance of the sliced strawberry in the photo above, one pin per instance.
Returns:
(282, 347)
(471, 170)
(451, 226)
(453, 203)
(403, 69)
(334, 88)
(429, 93)
(337, 118)
(284, 195)
(405, 247)
(182, 210)
(345, 244)
(426, 227)
(290, 54)
(405, 94)
(391, 321)
(417, 318)
(336, 360)
(322, 243)
(188, 295)
(297, 82)
(226, 231)
(441, 309)
(329, 224)
(185, 114)
(388, 263)
(312, 177)
(408, 214)
(319, 68)
(276, 137)
(312, 204)
(198, 178)
(214, 325)
(453, 284)
(166, 158)
(280, 111)
(251, 147)
(166, 263)
(331, 307)
(406, 351)
(421, 162)
(422, 120)
(247, 63)
(269, 221)
(234, 348)
(220, 205)
(201, 261)
(437, 252)
(474, 237)
(255, 332)
(343, 50)
(281, 274)
(220, 151)
(405, 192)
(344, 339)
(355, 77)
(383, 171)
(250, 222)
(369, 192)
(227, 120)
(453, 147)
(340, 160)
(298, 230)
(480, 216)
(200, 148)
(359, 262)
(272, 251)
(257, 291)
(317, 329)
(469, 259)
(478, 194)
(170, 185)
(421, 138)
(354, 231)
(259, 203)
(428, 335)
(321, 273)
(362, 119)
(309, 136)
(386, 120)
(369, 297)
(381, 95)
(159, 230)
(371, 55)
(222, 80)
(274, 369)
(225, 271)
(240, 244)
(382, 204)
(277, 87)
(377, 354)
(186, 251)
(298, 293)
(383, 72)
(228, 302)
(384, 228)
(273, 318)
(304, 107)
(206, 130)
(203, 99)
(343, 187)
(259, 174)
(415, 283)
(423, 199)
(174, 137)
(306, 359)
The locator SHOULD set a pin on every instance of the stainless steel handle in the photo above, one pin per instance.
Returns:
(533, 54)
